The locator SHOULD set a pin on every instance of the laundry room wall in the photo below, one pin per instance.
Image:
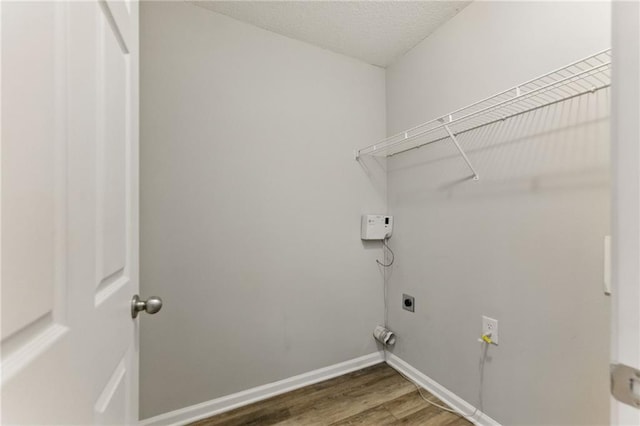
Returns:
(250, 206)
(524, 244)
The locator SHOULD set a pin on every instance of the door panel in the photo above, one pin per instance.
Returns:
(69, 212)
(110, 409)
(29, 194)
(33, 197)
(113, 145)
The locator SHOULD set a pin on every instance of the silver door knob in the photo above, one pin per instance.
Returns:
(150, 306)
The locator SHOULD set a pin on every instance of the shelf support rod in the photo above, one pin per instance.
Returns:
(464, 156)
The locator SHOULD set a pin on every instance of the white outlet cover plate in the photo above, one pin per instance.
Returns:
(490, 325)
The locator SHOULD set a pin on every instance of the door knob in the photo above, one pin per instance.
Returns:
(150, 306)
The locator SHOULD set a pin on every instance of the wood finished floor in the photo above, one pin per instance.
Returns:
(376, 395)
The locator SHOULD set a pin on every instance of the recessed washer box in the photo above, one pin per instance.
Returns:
(376, 226)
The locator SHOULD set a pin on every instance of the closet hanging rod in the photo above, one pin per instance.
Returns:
(595, 55)
(491, 122)
(447, 119)
(586, 75)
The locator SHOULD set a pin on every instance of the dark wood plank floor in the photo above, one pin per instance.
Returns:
(377, 395)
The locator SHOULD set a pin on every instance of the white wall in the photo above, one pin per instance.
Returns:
(250, 207)
(524, 244)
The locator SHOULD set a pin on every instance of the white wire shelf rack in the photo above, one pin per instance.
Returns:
(587, 75)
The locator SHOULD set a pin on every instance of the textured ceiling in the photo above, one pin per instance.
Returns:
(376, 32)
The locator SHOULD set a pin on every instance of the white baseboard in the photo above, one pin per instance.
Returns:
(444, 394)
(249, 396)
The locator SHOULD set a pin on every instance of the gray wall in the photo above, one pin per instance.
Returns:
(525, 243)
(250, 207)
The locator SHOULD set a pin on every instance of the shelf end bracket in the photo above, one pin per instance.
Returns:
(462, 153)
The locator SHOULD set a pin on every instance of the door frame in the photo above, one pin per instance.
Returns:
(625, 161)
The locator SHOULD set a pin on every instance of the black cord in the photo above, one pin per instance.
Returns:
(393, 256)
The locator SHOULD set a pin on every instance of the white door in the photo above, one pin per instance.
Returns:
(69, 212)
(626, 206)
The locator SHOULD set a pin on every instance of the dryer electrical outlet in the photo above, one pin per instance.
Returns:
(376, 227)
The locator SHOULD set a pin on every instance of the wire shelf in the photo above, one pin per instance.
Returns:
(584, 76)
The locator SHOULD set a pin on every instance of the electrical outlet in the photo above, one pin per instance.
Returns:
(490, 327)
(408, 303)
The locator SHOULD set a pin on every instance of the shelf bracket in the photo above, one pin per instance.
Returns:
(464, 156)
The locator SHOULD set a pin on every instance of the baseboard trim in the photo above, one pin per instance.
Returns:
(249, 396)
(444, 394)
